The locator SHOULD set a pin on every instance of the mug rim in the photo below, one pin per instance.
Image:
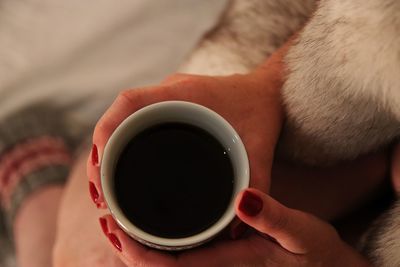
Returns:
(107, 167)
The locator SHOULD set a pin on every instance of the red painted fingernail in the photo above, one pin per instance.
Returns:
(239, 230)
(95, 155)
(250, 204)
(94, 193)
(115, 241)
(103, 224)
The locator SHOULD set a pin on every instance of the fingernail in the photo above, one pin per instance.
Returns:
(239, 230)
(250, 204)
(95, 155)
(103, 224)
(94, 193)
(115, 241)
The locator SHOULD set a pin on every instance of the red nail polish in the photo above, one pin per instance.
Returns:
(239, 230)
(250, 204)
(115, 241)
(93, 192)
(103, 224)
(95, 155)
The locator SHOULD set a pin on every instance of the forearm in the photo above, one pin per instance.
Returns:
(35, 227)
(35, 158)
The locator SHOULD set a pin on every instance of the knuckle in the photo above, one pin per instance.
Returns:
(102, 127)
(331, 232)
(126, 96)
(328, 230)
(279, 221)
(176, 77)
(189, 81)
(106, 124)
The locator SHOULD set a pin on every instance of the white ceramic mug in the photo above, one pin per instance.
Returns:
(167, 112)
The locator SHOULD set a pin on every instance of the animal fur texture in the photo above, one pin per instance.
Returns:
(381, 243)
(249, 31)
(342, 94)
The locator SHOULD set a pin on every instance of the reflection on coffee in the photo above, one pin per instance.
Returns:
(174, 180)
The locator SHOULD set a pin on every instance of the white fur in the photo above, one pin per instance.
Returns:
(342, 95)
(247, 34)
(382, 242)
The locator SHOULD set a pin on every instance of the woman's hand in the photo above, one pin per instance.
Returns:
(301, 239)
(283, 237)
(79, 241)
(251, 103)
(307, 240)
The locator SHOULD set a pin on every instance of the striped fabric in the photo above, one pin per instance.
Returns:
(36, 149)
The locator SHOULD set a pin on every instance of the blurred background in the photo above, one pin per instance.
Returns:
(77, 55)
(69, 51)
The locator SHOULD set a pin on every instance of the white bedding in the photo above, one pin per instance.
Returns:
(88, 50)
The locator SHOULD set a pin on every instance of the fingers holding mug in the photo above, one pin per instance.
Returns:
(160, 163)
(125, 104)
(130, 251)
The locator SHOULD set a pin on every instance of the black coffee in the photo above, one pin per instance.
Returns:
(174, 180)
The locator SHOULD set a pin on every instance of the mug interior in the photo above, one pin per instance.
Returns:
(180, 112)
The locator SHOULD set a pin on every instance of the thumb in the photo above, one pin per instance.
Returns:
(296, 231)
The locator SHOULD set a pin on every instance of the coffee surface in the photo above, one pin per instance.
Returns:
(174, 180)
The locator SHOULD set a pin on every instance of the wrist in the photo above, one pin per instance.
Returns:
(35, 223)
(38, 203)
(272, 73)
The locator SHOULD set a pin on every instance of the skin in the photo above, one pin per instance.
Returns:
(315, 190)
(36, 224)
(211, 97)
(257, 116)
(78, 232)
(79, 241)
(298, 239)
